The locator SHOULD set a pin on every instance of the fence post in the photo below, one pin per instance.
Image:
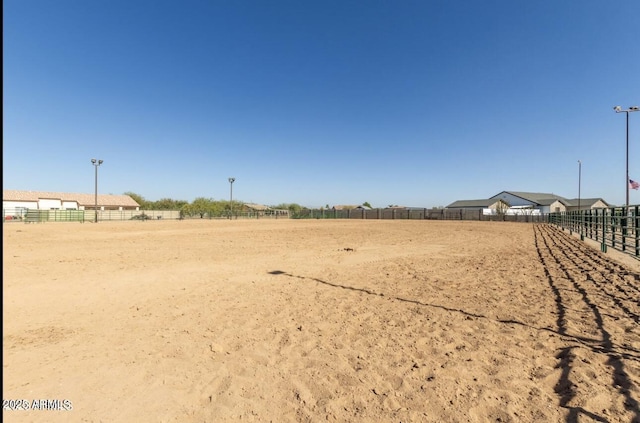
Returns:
(635, 230)
(623, 226)
(571, 222)
(613, 227)
(603, 244)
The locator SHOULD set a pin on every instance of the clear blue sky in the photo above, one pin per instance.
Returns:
(415, 103)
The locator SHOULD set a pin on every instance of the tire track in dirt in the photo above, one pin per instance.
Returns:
(591, 292)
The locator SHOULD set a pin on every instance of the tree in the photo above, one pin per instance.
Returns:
(202, 206)
(186, 210)
(138, 199)
(366, 204)
(168, 204)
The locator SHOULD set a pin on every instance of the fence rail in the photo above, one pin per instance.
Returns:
(614, 227)
(40, 216)
(419, 214)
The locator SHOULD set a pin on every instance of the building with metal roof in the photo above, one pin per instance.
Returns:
(541, 202)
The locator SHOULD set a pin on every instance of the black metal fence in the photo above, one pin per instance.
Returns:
(417, 214)
(41, 216)
(614, 227)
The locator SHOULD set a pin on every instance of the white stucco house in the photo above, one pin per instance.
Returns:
(17, 201)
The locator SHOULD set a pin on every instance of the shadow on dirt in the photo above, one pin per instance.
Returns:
(581, 277)
(369, 292)
(574, 273)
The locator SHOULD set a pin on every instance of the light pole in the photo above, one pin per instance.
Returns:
(231, 181)
(619, 109)
(96, 163)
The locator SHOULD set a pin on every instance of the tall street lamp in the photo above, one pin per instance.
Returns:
(619, 109)
(96, 163)
(231, 181)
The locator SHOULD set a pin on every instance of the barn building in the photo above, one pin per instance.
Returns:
(541, 203)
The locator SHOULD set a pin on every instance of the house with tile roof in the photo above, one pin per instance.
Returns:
(262, 210)
(343, 207)
(47, 200)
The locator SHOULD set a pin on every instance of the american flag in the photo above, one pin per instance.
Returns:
(633, 184)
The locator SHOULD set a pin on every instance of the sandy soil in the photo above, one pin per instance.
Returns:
(306, 321)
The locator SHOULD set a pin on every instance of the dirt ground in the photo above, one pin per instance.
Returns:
(307, 321)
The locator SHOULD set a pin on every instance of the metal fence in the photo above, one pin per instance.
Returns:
(614, 227)
(40, 216)
(417, 214)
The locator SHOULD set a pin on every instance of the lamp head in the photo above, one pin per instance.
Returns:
(232, 180)
(634, 108)
(93, 161)
(617, 108)
(100, 162)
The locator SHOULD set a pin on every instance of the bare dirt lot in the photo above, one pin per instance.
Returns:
(305, 321)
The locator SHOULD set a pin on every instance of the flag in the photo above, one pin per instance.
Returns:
(633, 184)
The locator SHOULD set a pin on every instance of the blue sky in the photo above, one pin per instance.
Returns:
(414, 103)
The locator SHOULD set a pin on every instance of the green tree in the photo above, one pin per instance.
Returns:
(186, 210)
(138, 199)
(202, 206)
(168, 204)
(366, 204)
(223, 207)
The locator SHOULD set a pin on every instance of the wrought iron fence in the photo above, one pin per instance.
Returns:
(41, 216)
(416, 213)
(614, 227)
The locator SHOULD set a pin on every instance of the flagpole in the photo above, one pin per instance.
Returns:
(627, 204)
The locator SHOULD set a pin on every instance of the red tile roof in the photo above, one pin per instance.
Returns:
(81, 199)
